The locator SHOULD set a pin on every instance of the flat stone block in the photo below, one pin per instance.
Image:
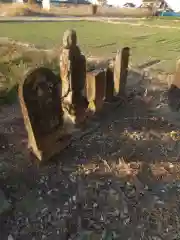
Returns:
(109, 84)
(96, 88)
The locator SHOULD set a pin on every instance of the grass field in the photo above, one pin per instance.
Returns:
(96, 38)
(147, 42)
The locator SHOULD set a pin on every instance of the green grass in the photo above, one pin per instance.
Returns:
(162, 21)
(95, 38)
(102, 39)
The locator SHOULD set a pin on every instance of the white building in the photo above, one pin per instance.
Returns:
(46, 4)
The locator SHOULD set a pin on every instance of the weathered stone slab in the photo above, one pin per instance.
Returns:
(121, 71)
(73, 76)
(109, 84)
(40, 100)
(174, 98)
(174, 90)
(96, 89)
(176, 80)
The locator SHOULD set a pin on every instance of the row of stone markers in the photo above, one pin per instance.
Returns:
(54, 106)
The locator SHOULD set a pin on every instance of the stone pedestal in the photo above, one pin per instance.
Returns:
(96, 89)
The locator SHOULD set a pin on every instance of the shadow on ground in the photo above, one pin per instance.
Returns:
(119, 182)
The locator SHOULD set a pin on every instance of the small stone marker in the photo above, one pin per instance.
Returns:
(176, 80)
(174, 90)
(39, 96)
(96, 89)
(120, 71)
(109, 84)
(73, 76)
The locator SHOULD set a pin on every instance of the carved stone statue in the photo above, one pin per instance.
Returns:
(73, 76)
(44, 119)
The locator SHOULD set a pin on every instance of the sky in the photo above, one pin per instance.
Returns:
(174, 4)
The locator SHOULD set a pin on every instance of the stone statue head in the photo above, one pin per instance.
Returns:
(69, 39)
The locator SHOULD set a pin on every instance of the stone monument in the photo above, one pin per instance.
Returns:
(39, 95)
(73, 77)
(174, 90)
(110, 83)
(120, 71)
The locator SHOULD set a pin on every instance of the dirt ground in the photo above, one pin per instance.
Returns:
(120, 181)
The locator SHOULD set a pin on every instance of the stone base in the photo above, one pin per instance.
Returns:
(50, 145)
